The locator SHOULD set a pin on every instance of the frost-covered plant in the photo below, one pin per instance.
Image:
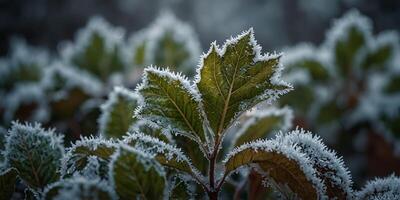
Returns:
(338, 82)
(167, 42)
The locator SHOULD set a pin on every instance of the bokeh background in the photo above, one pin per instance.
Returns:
(278, 23)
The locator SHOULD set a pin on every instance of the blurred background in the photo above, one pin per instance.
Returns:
(277, 23)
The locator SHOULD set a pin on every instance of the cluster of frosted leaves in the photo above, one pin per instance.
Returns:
(296, 164)
(167, 42)
(79, 188)
(381, 188)
(135, 175)
(24, 64)
(117, 113)
(345, 66)
(88, 157)
(229, 81)
(35, 153)
(97, 49)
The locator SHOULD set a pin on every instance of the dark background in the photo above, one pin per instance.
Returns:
(277, 23)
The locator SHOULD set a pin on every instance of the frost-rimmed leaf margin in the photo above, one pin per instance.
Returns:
(185, 85)
(381, 188)
(92, 143)
(268, 95)
(290, 151)
(166, 22)
(253, 116)
(329, 167)
(153, 147)
(75, 182)
(107, 107)
(32, 132)
(147, 160)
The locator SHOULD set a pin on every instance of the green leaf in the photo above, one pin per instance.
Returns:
(235, 78)
(97, 49)
(8, 179)
(262, 123)
(382, 52)
(171, 104)
(35, 153)
(303, 92)
(284, 166)
(180, 189)
(135, 175)
(77, 156)
(166, 154)
(393, 85)
(117, 113)
(79, 188)
(347, 48)
(142, 127)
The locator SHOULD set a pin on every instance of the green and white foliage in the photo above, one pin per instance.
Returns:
(88, 157)
(338, 82)
(79, 188)
(135, 175)
(381, 188)
(8, 179)
(117, 113)
(167, 42)
(3, 134)
(35, 153)
(97, 49)
(24, 64)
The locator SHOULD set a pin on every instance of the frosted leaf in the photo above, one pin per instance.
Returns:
(79, 188)
(97, 49)
(77, 157)
(134, 174)
(329, 167)
(171, 103)
(25, 64)
(262, 123)
(117, 113)
(3, 134)
(235, 78)
(381, 188)
(35, 153)
(281, 163)
(167, 42)
(166, 154)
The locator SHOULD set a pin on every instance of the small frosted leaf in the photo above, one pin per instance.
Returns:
(329, 167)
(135, 175)
(77, 156)
(235, 78)
(350, 34)
(166, 42)
(180, 189)
(8, 179)
(262, 123)
(35, 153)
(97, 49)
(381, 188)
(380, 55)
(171, 104)
(166, 154)
(117, 113)
(303, 92)
(282, 164)
(79, 188)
